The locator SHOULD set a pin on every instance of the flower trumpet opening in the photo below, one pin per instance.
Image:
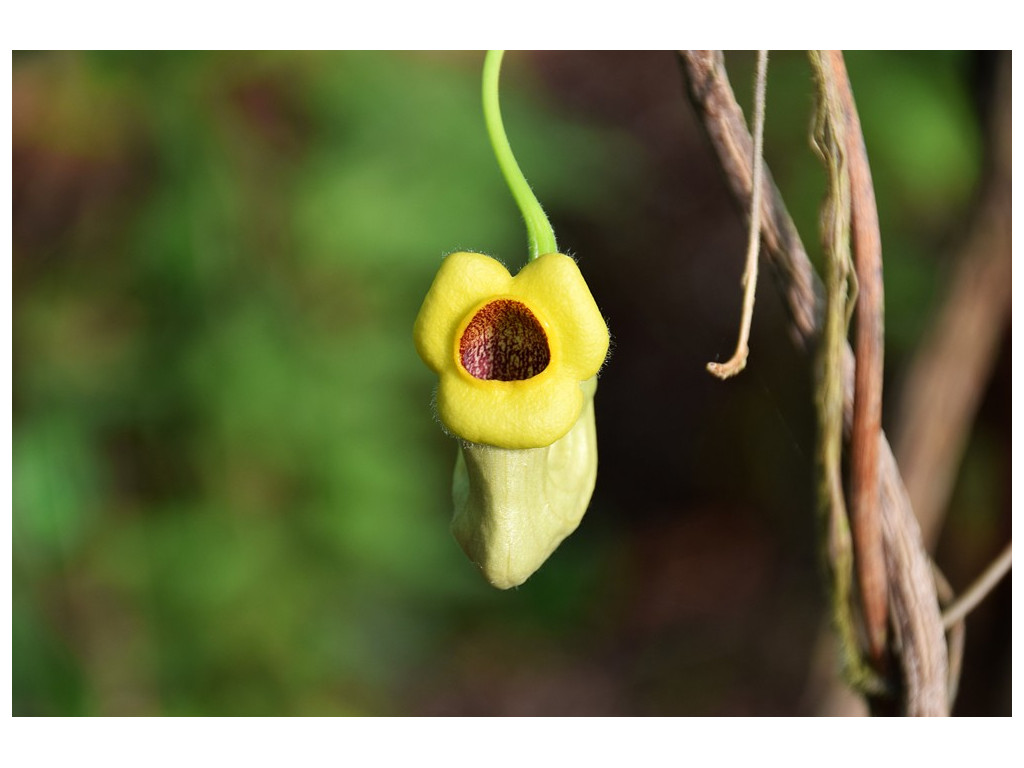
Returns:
(504, 342)
(510, 352)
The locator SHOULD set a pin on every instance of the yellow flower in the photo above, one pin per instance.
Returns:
(511, 352)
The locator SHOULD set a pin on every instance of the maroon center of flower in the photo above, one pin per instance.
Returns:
(504, 342)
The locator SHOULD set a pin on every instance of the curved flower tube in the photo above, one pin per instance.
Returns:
(511, 352)
(514, 507)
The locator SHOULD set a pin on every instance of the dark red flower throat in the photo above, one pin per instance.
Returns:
(504, 342)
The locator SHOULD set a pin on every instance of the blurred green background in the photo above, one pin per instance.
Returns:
(229, 493)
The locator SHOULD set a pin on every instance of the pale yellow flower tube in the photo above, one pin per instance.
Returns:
(513, 507)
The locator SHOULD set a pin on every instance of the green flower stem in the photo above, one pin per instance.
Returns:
(539, 233)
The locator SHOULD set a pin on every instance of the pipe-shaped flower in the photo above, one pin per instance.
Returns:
(511, 352)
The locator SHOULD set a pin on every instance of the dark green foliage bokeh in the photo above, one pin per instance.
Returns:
(225, 459)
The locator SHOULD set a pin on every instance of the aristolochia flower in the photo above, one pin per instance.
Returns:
(517, 359)
(511, 352)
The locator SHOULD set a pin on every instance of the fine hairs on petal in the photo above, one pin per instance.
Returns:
(474, 250)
